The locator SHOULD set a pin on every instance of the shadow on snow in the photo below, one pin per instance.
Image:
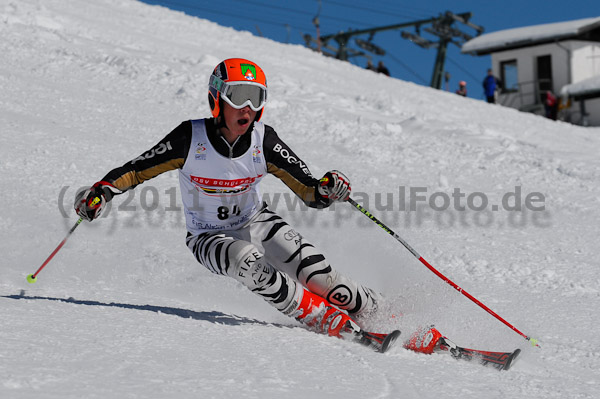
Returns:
(212, 316)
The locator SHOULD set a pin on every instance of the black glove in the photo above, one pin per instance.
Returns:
(335, 186)
(90, 202)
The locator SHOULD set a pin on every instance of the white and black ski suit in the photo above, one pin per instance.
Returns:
(230, 231)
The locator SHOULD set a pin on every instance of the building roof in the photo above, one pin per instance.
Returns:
(587, 88)
(581, 29)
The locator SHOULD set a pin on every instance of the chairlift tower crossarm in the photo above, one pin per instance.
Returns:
(342, 38)
(441, 27)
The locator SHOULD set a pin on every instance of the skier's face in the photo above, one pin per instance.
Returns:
(237, 121)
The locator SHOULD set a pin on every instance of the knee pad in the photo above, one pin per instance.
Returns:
(248, 265)
(251, 269)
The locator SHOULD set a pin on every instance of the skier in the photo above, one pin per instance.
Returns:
(221, 161)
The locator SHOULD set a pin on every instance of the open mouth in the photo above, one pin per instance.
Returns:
(243, 121)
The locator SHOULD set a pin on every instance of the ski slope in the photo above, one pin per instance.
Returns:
(124, 311)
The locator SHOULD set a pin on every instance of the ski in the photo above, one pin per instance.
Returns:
(429, 340)
(379, 342)
(498, 360)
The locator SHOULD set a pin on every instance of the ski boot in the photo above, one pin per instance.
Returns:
(319, 315)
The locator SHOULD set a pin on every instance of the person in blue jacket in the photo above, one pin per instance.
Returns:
(490, 85)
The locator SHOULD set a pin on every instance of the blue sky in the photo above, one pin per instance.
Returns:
(288, 21)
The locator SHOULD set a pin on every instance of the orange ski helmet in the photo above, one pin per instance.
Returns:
(240, 83)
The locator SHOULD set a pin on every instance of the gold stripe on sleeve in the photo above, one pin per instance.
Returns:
(133, 178)
(306, 193)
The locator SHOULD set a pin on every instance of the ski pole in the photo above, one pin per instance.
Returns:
(534, 342)
(32, 278)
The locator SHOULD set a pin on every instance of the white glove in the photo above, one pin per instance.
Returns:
(335, 186)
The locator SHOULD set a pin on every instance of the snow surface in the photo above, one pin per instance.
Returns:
(495, 41)
(124, 311)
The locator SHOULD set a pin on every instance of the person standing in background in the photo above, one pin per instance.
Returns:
(462, 88)
(490, 85)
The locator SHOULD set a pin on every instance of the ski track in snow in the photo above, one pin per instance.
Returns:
(124, 311)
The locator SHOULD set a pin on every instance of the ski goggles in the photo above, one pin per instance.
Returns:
(241, 94)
